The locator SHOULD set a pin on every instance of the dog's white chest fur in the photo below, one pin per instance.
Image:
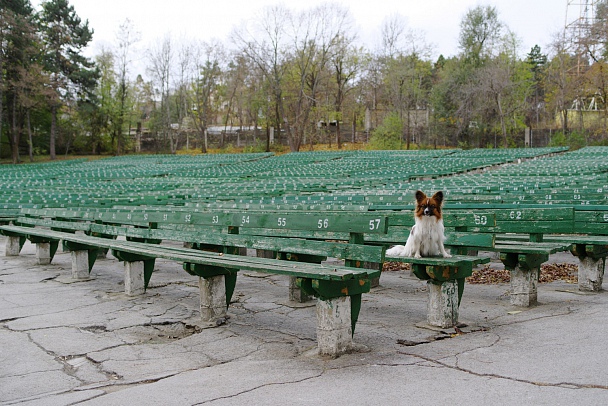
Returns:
(426, 240)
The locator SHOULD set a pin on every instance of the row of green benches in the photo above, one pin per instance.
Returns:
(334, 286)
(303, 237)
(470, 229)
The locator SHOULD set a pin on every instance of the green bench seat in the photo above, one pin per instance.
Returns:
(334, 286)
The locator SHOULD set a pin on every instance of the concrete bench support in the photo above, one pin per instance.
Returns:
(334, 329)
(80, 264)
(213, 298)
(13, 246)
(43, 253)
(443, 303)
(524, 286)
(295, 293)
(525, 270)
(445, 280)
(134, 278)
(591, 274)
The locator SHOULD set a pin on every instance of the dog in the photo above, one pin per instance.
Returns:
(427, 235)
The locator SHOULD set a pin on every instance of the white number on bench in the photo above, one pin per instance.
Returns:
(480, 220)
(515, 215)
(374, 224)
(245, 220)
(282, 222)
(323, 223)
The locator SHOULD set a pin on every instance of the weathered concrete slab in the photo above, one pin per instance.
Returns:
(61, 344)
(62, 399)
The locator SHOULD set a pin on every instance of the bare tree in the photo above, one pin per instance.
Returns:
(406, 72)
(263, 40)
(126, 37)
(392, 30)
(316, 35)
(161, 59)
(207, 61)
(493, 84)
(182, 80)
(346, 63)
(562, 85)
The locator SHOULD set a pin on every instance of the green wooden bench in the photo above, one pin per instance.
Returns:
(524, 258)
(582, 236)
(445, 276)
(498, 224)
(7, 219)
(453, 270)
(219, 230)
(336, 287)
(266, 231)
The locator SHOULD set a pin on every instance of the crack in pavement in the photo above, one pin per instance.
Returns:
(565, 385)
(438, 363)
(568, 311)
(259, 387)
(9, 320)
(69, 369)
(145, 381)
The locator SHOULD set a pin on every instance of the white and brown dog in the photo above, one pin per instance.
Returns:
(427, 235)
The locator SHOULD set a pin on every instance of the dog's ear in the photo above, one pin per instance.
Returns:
(438, 197)
(420, 195)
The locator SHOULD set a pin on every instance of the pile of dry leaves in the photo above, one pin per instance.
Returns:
(548, 273)
(396, 266)
(487, 275)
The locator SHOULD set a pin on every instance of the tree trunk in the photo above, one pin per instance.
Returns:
(29, 137)
(338, 142)
(267, 138)
(53, 132)
(204, 140)
(502, 121)
(354, 128)
(170, 136)
(277, 112)
(15, 134)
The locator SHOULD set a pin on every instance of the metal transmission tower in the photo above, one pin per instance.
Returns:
(579, 37)
(580, 19)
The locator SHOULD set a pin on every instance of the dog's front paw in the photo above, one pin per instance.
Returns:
(446, 255)
(417, 255)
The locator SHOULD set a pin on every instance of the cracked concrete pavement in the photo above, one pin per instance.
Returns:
(67, 343)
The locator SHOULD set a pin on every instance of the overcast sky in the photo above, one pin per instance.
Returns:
(534, 21)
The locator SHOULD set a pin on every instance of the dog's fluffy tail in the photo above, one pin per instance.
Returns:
(397, 251)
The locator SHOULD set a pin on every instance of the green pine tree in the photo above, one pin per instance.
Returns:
(73, 76)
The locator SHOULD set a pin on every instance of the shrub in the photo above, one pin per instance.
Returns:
(574, 140)
(388, 134)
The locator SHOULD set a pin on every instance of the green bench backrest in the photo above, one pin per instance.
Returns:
(535, 220)
(326, 222)
(591, 220)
